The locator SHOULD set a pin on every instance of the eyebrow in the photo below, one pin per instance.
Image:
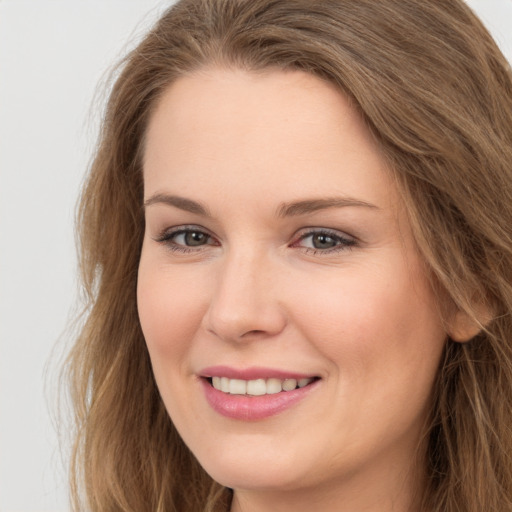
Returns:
(313, 205)
(292, 209)
(182, 203)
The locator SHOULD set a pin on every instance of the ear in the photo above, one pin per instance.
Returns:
(463, 327)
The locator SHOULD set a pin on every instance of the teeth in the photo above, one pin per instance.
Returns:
(257, 387)
(289, 384)
(303, 382)
(237, 386)
(274, 386)
(224, 384)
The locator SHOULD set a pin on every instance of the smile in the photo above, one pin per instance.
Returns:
(258, 387)
(255, 393)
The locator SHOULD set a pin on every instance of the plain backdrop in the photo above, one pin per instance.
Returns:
(53, 54)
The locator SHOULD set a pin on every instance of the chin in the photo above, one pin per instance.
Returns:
(255, 479)
(241, 472)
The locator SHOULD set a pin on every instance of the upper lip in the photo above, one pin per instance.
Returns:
(252, 373)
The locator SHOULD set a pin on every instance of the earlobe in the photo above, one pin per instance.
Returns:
(464, 327)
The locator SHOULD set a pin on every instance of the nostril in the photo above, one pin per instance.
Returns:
(253, 333)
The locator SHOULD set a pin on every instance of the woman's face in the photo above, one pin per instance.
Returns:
(277, 254)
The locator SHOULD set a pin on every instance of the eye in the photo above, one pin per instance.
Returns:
(186, 238)
(191, 238)
(324, 241)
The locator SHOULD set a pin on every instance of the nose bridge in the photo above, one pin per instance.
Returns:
(244, 301)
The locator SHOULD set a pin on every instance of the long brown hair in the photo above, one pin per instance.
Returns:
(436, 93)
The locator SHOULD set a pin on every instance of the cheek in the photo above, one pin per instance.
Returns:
(170, 309)
(383, 340)
(383, 322)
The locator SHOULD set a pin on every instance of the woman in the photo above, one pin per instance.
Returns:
(296, 242)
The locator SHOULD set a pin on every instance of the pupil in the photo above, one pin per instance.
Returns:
(323, 241)
(195, 238)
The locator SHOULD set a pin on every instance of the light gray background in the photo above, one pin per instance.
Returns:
(53, 53)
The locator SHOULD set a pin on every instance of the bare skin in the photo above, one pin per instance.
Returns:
(275, 238)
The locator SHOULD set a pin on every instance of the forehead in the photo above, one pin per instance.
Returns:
(248, 101)
(287, 129)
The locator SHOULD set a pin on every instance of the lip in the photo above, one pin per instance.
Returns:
(251, 373)
(252, 408)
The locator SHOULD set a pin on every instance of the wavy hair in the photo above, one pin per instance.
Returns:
(436, 93)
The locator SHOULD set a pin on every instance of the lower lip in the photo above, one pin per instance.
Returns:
(253, 408)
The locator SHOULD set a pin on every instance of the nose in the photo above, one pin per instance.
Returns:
(245, 302)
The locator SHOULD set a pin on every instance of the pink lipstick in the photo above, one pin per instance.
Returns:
(254, 393)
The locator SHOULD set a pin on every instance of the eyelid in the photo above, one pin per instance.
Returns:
(314, 230)
(166, 237)
(343, 239)
(346, 241)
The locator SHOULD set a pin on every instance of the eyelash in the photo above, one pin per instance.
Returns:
(168, 236)
(343, 243)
